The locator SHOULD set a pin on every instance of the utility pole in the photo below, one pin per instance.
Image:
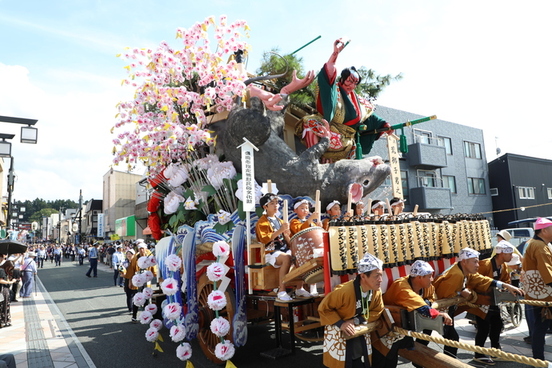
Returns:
(80, 216)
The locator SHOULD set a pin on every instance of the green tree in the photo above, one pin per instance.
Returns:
(273, 64)
(372, 84)
(45, 212)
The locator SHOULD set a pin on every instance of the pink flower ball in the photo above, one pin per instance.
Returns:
(152, 308)
(139, 299)
(172, 311)
(173, 262)
(169, 286)
(215, 271)
(220, 326)
(156, 323)
(216, 300)
(149, 275)
(225, 350)
(221, 249)
(152, 334)
(139, 279)
(177, 333)
(148, 292)
(184, 351)
(145, 317)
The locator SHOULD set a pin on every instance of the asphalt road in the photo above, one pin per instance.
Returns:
(95, 310)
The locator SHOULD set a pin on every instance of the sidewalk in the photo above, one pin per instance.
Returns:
(40, 337)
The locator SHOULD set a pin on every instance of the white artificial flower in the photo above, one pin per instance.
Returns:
(258, 191)
(177, 333)
(190, 204)
(206, 162)
(139, 280)
(145, 317)
(169, 286)
(216, 300)
(220, 171)
(221, 249)
(157, 324)
(139, 299)
(224, 350)
(215, 271)
(149, 275)
(223, 217)
(220, 326)
(176, 174)
(152, 334)
(184, 351)
(172, 311)
(152, 308)
(148, 292)
(173, 262)
(172, 202)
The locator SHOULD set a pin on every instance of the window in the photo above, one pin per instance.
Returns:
(404, 184)
(427, 178)
(423, 136)
(450, 182)
(549, 191)
(472, 150)
(494, 192)
(526, 192)
(447, 143)
(476, 186)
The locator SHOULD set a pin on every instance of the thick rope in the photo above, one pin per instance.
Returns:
(477, 349)
(536, 303)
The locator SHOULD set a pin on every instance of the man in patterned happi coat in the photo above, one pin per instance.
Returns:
(413, 293)
(351, 304)
(462, 279)
(489, 321)
(537, 281)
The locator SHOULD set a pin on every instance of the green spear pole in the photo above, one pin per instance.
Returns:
(305, 45)
(399, 126)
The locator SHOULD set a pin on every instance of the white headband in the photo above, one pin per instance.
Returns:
(377, 204)
(369, 263)
(468, 253)
(297, 204)
(504, 247)
(333, 203)
(398, 202)
(421, 268)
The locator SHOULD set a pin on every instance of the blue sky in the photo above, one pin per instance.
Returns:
(480, 63)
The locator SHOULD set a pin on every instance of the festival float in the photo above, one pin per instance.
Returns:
(210, 137)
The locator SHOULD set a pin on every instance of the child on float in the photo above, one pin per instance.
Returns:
(303, 220)
(378, 209)
(275, 235)
(397, 205)
(358, 210)
(333, 210)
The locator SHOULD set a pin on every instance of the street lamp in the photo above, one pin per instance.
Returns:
(5, 146)
(29, 134)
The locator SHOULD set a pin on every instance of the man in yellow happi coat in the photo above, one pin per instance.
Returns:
(348, 305)
(489, 321)
(413, 293)
(537, 280)
(462, 279)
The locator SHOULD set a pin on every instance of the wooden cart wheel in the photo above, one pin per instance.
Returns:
(207, 340)
(517, 314)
